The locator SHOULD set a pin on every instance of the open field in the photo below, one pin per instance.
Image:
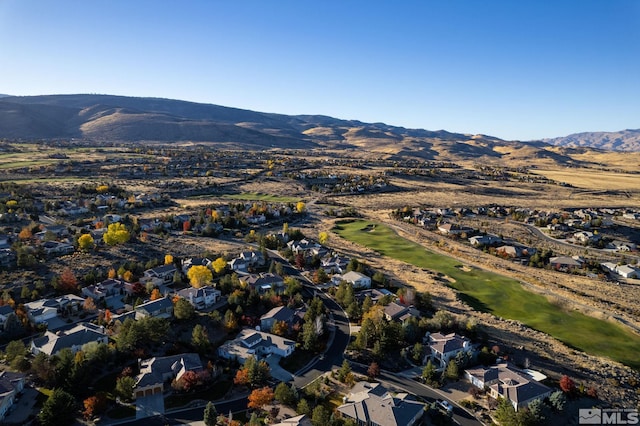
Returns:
(249, 196)
(593, 179)
(502, 296)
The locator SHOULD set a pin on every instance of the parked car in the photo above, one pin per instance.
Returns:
(445, 405)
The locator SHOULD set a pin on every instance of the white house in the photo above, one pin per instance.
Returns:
(74, 339)
(357, 279)
(201, 298)
(159, 275)
(445, 347)
(255, 343)
(505, 382)
(43, 310)
(627, 271)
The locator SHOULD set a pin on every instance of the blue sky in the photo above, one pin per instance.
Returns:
(513, 69)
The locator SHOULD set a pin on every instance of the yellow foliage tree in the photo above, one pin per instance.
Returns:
(128, 276)
(168, 259)
(219, 264)
(112, 273)
(101, 189)
(301, 206)
(323, 237)
(86, 242)
(199, 276)
(116, 234)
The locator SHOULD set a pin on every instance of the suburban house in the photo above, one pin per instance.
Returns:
(303, 246)
(622, 246)
(8, 258)
(11, 385)
(74, 338)
(484, 240)
(505, 382)
(627, 271)
(104, 289)
(585, 237)
(195, 261)
(156, 372)
(5, 311)
(445, 347)
(201, 298)
(280, 313)
(515, 251)
(301, 420)
(159, 275)
(397, 312)
(43, 310)
(334, 264)
(55, 248)
(375, 294)
(371, 404)
(161, 308)
(262, 283)
(356, 279)
(566, 263)
(246, 260)
(258, 344)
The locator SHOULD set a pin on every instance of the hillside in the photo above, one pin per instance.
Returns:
(102, 118)
(624, 140)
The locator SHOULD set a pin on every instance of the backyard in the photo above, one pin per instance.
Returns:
(502, 296)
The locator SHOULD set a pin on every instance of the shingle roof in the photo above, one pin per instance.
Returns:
(79, 335)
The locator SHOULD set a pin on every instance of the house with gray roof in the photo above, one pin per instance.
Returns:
(255, 343)
(11, 384)
(265, 282)
(74, 338)
(201, 298)
(506, 382)
(158, 371)
(161, 308)
(371, 404)
(397, 312)
(280, 313)
(445, 347)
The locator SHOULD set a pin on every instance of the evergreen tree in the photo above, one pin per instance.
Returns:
(59, 409)
(210, 414)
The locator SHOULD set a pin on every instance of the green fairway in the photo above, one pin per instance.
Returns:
(251, 196)
(502, 296)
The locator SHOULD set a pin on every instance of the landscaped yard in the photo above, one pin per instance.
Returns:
(502, 296)
(217, 391)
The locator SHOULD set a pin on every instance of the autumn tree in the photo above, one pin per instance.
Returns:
(279, 328)
(155, 294)
(116, 234)
(94, 405)
(25, 234)
(89, 305)
(567, 385)
(168, 259)
(374, 370)
(86, 242)
(258, 398)
(219, 265)
(301, 206)
(112, 274)
(199, 276)
(323, 237)
(67, 282)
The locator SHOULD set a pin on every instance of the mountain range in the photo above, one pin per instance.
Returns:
(103, 118)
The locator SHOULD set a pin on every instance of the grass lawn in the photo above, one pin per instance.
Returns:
(297, 360)
(251, 196)
(503, 296)
(121, 412)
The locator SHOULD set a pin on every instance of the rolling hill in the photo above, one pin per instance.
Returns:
(624, 140)
(100, 118)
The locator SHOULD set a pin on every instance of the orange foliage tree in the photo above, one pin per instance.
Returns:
(155, 294)
(68, 282)
(260, 397)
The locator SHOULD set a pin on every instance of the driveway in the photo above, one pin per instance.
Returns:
(147, 406)
(278, 372)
